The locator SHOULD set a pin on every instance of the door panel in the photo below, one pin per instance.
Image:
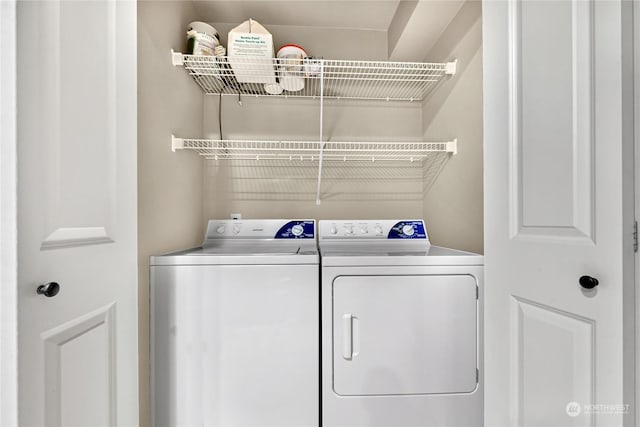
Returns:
(69, 375)
(404, 334)
(550, 347)
(551, 124)
(79, 113)
(77, 213)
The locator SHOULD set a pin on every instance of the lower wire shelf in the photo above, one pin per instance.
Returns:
(221, 149)
(432, 155)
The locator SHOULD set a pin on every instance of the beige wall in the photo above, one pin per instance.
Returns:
(169, 184)
(453, 207)
(259, 189)
(330, 43)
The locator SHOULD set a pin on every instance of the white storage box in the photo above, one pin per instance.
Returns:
(250, 53)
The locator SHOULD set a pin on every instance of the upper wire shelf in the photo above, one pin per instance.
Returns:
(216, 149)
(311, 78)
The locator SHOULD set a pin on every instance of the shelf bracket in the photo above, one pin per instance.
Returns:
(321, 134)
(452, 146)
(177, 59)
(451, 68)
(176, 143)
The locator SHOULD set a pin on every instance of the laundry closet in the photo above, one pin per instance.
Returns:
(180, 190)
(98, 175)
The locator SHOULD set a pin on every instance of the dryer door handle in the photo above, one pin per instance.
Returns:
(347, 336)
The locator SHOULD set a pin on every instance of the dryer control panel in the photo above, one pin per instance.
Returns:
(372, 229)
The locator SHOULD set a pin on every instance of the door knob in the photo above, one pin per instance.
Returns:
(588, 282)
(50, 289)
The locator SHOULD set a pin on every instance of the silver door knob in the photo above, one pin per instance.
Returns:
(50, 289)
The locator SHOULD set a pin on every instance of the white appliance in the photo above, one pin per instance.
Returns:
(401, 327)
(235, 327)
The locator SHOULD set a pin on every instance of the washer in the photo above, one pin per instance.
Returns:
(401, 327)
(235, 327)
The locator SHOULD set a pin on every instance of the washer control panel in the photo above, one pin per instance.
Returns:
(261, 229)
(372, 229)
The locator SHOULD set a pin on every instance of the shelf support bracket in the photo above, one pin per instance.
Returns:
(321, 134)
(451, 68)
(176, 143)
(176, 58)
(452, 146)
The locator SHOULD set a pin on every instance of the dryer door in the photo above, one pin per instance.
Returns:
(396, 335)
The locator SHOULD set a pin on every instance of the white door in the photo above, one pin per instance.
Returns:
(77, 350)
(558, 198)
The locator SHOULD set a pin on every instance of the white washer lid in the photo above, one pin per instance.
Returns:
(247, 252)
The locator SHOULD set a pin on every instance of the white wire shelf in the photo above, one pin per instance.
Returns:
(431, 155)
(333, 79)
(332, 151)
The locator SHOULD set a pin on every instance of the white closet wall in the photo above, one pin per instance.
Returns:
(169, 185)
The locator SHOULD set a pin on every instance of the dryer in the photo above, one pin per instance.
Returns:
(401, 327)
(235, 327)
